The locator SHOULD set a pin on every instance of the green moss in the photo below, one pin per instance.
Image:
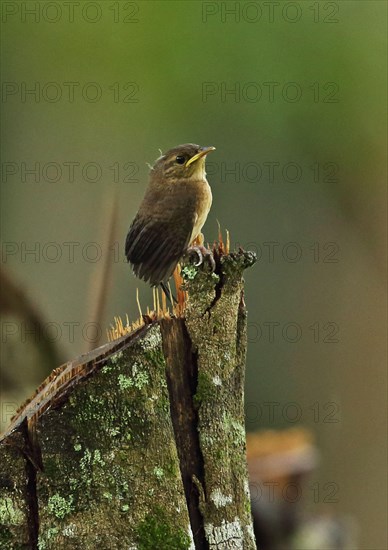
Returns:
(124, 381)
(91, 458)
(156, 357)
(236, 431)
(139, 378)
(189, 272)
(117, 357)
(205, 389)
(163, 404)
(158, 531)
(158, 472)
(171, 468)
(59, 506)
(9, 515)
(6, 537)
(47, 536)
(220, 455)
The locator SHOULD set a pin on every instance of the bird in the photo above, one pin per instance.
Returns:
(171, 215)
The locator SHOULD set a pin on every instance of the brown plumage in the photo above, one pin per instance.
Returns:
(174, 209)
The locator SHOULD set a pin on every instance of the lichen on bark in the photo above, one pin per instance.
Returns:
(217, 328)
(141, 443)
(118, 462)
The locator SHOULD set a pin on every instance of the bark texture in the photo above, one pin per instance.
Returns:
(140, 444)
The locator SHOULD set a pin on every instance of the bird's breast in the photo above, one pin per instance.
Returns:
(203, 203)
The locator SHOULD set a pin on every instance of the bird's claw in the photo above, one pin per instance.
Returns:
(202, 254)
(195, 251)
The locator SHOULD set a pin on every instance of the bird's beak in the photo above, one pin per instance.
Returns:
(204, 151)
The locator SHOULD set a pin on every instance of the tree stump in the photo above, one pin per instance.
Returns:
(140, 444)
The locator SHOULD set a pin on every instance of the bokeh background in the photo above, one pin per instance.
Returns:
(293, 96)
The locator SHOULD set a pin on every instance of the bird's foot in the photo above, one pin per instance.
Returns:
(198, 254)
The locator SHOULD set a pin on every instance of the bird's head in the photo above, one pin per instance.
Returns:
(182, 162)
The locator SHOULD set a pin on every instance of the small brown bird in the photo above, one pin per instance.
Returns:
(174, 209)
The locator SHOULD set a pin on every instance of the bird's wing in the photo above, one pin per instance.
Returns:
(154, 247)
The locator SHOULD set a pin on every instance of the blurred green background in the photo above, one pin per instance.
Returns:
(116, 81)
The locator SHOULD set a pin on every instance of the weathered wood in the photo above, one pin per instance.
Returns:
(141, 443)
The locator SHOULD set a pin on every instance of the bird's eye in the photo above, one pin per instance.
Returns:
(180, 159)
